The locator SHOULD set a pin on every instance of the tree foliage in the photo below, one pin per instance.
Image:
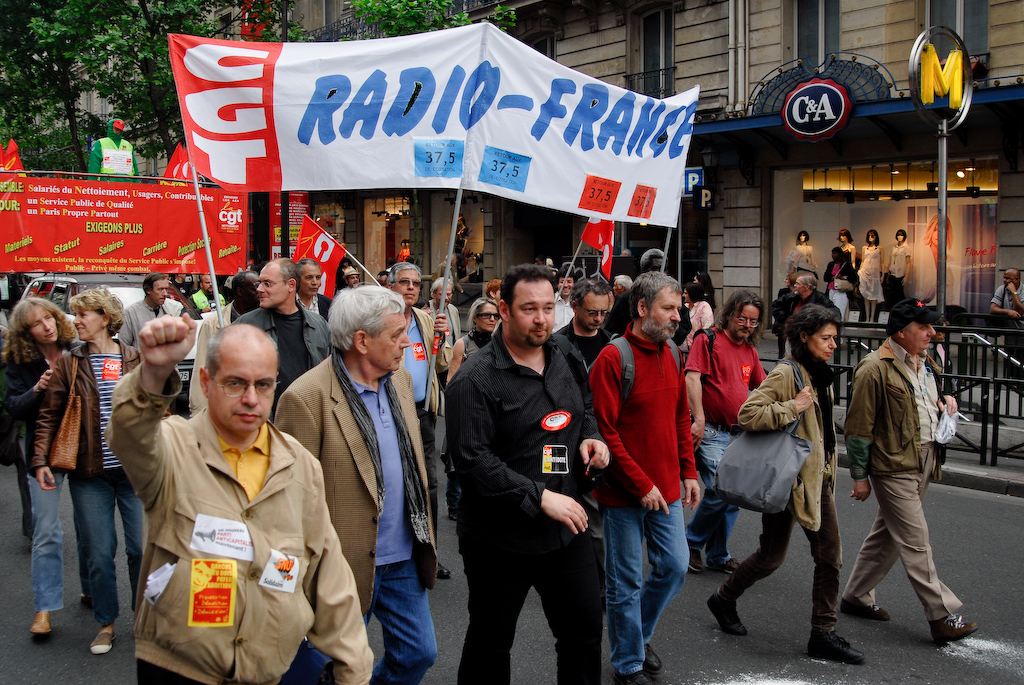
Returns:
(420, 16)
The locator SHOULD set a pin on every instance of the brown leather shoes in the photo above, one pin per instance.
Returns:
(951, 628)
(41, 626)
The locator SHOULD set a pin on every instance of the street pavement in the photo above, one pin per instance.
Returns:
(978, 539)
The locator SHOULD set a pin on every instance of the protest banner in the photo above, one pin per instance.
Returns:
(469, 108)
(53, 224)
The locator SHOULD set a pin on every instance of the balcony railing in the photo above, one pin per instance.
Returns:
(349, 28)
(659, 83)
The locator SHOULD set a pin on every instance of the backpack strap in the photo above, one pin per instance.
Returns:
(628, 367)
(572, 354)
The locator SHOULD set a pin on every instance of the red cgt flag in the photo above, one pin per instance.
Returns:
(11, 159)
(178, 166)
(318, 244)
(599, 234)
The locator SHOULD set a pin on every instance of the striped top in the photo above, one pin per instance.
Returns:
(106, 368)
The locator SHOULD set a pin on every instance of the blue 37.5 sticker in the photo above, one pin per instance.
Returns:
(439, 158)
(503, 168)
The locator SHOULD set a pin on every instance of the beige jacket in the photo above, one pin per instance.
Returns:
(179, 471)
(772, 407)
(314, 409)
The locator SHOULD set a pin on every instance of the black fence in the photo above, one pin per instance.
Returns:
(982, 368)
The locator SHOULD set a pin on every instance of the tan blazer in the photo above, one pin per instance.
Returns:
(314, 410)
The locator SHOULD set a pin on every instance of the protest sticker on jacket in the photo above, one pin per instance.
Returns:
(466, 107)
(211, 595)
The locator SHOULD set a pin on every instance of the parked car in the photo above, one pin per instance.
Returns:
(60, 288)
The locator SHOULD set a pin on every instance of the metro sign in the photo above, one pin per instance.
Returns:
(817, 109)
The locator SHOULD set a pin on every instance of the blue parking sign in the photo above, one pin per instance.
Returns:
(692, 176)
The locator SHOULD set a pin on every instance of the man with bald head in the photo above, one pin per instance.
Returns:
(241, 558)
(1006, 299)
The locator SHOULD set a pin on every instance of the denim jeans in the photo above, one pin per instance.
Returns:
(712, 523)
(48, 548)
(94, 500)
(399, 602)
(635, 603)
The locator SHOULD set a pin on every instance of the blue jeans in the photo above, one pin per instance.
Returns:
(399, 602)
(635, 603)
(48, 548)
(712, 523)
(94, 500)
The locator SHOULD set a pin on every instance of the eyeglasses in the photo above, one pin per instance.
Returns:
(237, 387)
(266, 283)
(596, 312)
(406, 283)
(493, 316)
(744, 321)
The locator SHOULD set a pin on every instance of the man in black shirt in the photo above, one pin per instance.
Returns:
(522, 435)
(302, 338)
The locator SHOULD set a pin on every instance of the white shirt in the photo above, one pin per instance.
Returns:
(563, 313)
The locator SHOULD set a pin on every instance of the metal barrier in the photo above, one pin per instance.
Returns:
(982, 369)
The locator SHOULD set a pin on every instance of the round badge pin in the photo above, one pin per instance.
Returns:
(556, 420)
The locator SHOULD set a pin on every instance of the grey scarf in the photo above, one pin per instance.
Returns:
(415, 504)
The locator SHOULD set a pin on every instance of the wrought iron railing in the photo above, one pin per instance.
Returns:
(659, 83)
(982, 369)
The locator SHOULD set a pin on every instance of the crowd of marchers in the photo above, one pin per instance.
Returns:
(300, 499)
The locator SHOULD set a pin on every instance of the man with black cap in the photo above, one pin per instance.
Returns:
(891, 425)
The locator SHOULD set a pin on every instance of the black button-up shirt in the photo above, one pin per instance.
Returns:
(495, 410)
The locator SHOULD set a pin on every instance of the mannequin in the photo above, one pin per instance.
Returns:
(871, 274)
(846, 243)
(113, 154)
(801, 257)
(898, 268)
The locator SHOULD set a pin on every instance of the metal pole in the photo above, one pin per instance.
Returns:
(572, 262)
(444, 285)
(206, 241)
(373, 279)
(668, 241)
(940, 277)
(679, 247)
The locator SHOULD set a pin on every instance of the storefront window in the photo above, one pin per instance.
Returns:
(888, 199)
(469, 237)
(386, 223)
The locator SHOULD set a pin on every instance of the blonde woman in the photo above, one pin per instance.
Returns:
(98, 483)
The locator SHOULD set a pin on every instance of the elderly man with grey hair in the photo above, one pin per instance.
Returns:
(619, 318)
(356, 413)
(454, 330)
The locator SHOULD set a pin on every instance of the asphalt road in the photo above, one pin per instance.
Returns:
(979, 549)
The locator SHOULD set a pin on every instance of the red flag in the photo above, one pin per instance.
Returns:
(599, 234)
(178, 166)
(318, 244)
(11, 159)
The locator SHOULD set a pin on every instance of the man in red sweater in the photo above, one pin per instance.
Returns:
(640, 496)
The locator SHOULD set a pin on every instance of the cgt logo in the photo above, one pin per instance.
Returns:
(231, 217)
(817, 109)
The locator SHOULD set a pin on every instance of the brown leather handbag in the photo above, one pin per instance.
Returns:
(64, 449)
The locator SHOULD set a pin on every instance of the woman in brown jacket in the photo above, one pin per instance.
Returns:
(98, 482)
(812, 333)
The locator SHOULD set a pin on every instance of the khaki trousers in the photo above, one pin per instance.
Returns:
(901, 532)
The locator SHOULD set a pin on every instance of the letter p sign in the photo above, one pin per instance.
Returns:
(704, 198)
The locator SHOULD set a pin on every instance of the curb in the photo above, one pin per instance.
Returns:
(973, 479)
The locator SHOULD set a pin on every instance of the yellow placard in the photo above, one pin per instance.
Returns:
(211, 596)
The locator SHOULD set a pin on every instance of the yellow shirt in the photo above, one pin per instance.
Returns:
(250, 466)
